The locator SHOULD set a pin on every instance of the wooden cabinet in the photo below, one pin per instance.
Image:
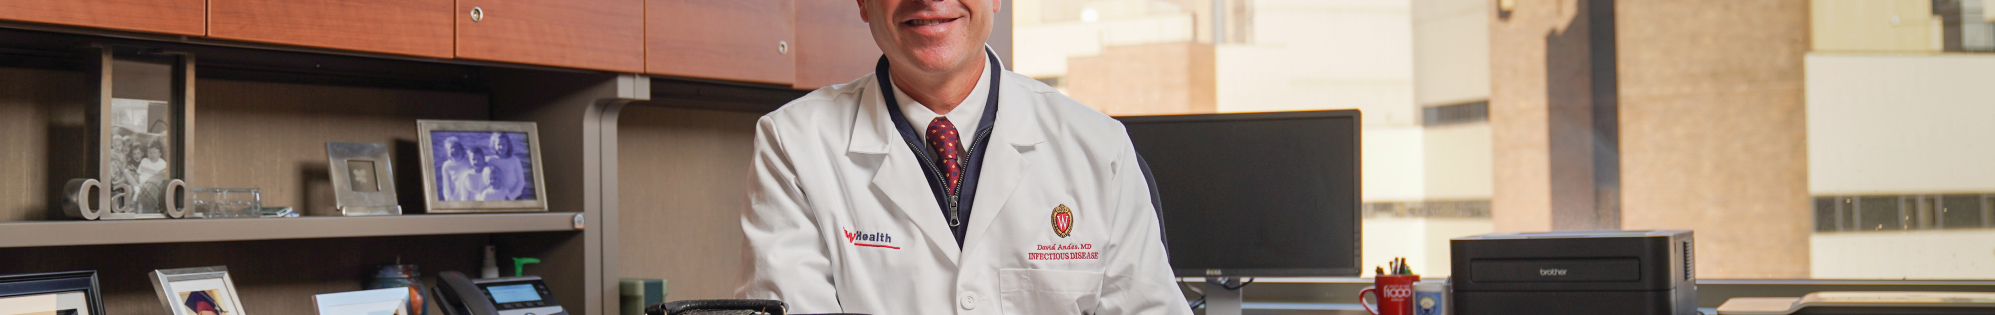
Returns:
(603, 35)
(833, 45)
(736, 40)
(184, 17)
(407, 27)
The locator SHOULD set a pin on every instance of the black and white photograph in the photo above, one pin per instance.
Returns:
(139, 160)
(481, 166)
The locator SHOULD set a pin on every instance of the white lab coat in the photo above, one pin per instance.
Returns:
(841, 217)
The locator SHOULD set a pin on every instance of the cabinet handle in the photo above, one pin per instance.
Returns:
(782, 47)
(477, 14)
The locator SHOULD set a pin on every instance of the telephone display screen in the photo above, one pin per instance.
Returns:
(512, 293)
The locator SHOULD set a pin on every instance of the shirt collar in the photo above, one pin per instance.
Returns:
(966, 116)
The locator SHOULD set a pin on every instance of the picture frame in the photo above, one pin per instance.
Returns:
(481, 166)
(197, 291)
(57, 293)
(390, 301)
(142, 129)
(363, 178)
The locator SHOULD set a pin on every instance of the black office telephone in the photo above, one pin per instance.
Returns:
(458, 295)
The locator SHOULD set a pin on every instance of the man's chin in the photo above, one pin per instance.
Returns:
(940, 59)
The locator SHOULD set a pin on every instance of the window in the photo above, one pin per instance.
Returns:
(1822, 139)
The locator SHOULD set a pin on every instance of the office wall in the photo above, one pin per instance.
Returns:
(287, 126)
(1900, 124)
(682, 189)
(1713, 134)
(27, 98)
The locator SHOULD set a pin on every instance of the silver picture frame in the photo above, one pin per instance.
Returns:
(481, 166)
(185, 289)
(363, 178)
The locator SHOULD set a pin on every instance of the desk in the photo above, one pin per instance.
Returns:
(1306, 295)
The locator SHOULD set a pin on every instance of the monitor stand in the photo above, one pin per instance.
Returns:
(1218, 299)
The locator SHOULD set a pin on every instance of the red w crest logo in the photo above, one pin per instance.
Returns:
(1063, 221)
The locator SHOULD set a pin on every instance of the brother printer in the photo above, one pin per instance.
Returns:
(1575, 272)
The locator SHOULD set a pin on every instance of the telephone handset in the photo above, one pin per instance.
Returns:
(458, 295)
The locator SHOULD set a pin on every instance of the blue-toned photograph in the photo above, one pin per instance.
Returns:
(482, 166)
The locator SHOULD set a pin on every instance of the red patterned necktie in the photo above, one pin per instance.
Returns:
(942, 139)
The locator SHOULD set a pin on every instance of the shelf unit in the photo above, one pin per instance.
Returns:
(265, 113)
(82, 233)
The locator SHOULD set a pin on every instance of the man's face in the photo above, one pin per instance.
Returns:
(930, 35)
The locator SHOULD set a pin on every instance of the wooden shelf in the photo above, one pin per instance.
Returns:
(74, 233)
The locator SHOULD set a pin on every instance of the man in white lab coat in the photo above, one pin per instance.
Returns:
(943, 184)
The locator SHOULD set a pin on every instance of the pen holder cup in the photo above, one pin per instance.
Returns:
(1395, 295)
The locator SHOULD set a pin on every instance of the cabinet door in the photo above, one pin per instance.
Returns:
(184, 17)
(737, 40)
(603, 35)
(407, 27)
(833, 45)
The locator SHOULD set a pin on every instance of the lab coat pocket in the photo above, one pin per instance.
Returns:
(1039, 292)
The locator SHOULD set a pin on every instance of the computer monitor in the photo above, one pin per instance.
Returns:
(1256, 194)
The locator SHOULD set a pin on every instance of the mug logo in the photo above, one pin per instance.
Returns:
(1063, 221)
(1398, 292)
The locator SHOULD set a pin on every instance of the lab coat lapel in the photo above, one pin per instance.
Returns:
(1004, 165)
(899, 176)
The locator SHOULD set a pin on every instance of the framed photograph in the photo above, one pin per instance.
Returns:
(55, 293)
(363, 178)
(197, 291)
(141, 132)
(481, 166)
(390, 301)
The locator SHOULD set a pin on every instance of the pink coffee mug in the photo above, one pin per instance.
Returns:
(1395, 295)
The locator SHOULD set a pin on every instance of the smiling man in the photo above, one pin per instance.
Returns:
(943, 184)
